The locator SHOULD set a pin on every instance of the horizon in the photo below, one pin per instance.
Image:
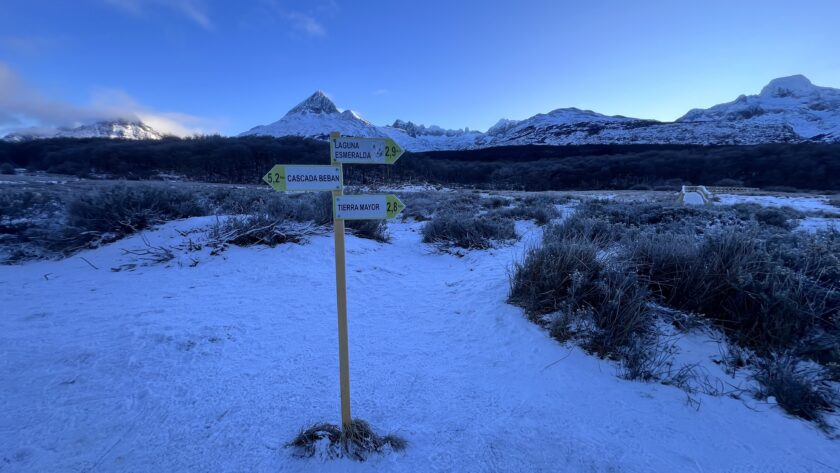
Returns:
(61, 66)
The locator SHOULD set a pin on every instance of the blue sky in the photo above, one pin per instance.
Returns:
(212, 65)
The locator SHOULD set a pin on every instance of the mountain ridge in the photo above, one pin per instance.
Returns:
(114, 129)
(788, 109)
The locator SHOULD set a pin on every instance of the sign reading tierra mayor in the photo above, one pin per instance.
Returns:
(304, 178)
(367, 207)
(365, 150)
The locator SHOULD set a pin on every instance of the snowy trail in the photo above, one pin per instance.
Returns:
(213, 368)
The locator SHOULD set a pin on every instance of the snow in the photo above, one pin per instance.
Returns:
(214, 367)
(814, 224)
(817, 203)
(115, 129)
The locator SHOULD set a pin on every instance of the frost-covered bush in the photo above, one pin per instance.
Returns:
(422, 206)
(465, 231)
(800, 388)
(583, 228)
(494, 202)
(540, 211)
(111, 213)
(371, 229)
(734, 280)
(270, 218)
(560, 274)
(126, 209)
(623, 325)
(26, 204)
(601, 306)
(259, 229)
(776, 217)
(7, 168)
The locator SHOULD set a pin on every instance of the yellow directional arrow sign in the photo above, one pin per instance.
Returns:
(367, 207)
(304, 178)
(348, 149)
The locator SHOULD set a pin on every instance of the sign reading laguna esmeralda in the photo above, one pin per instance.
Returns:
(304, 178)
(348, 149)
(367, 207)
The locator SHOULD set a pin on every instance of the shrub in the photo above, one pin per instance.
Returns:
(494, 202)
(622, 322)
(732, 279)
(423, 206)
(560, 274)
(26, 204)
(371, 229)
(579, 227)
(123, 210)
(7, 168)
(776, 217)
(604, 307)
(641, 187)
(799, 389)
(259, 229)
(465, 231)
(540, 213)
(274, 218)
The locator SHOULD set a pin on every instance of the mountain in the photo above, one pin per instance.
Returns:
(788, 110)
(316, 117)
(116, 129)
(812, 112)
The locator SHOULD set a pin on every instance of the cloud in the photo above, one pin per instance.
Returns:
(22, 105)
(306, 24)
(194, 10)
(381, 92)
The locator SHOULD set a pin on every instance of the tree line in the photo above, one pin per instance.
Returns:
(247, 159)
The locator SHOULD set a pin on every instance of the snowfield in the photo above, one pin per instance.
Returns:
(213, 367)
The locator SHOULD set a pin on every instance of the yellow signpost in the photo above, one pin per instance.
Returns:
(303, 178)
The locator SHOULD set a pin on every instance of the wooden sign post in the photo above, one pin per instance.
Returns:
(303, 178)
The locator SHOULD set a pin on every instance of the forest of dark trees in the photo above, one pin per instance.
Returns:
(246, 160)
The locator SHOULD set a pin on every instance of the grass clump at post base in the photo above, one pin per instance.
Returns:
(358, 442)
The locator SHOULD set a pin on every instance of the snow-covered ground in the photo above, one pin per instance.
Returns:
(803, 203)
(214, 367)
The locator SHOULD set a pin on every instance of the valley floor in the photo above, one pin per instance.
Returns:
(214, 367)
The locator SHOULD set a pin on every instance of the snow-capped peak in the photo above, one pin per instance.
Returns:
(316, 117)
(796, 86)
(315, 103)
(117, 129)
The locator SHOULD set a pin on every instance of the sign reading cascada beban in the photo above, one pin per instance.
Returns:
(304, 178)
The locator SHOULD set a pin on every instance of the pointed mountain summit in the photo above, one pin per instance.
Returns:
(316, 117)
(316, 103)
